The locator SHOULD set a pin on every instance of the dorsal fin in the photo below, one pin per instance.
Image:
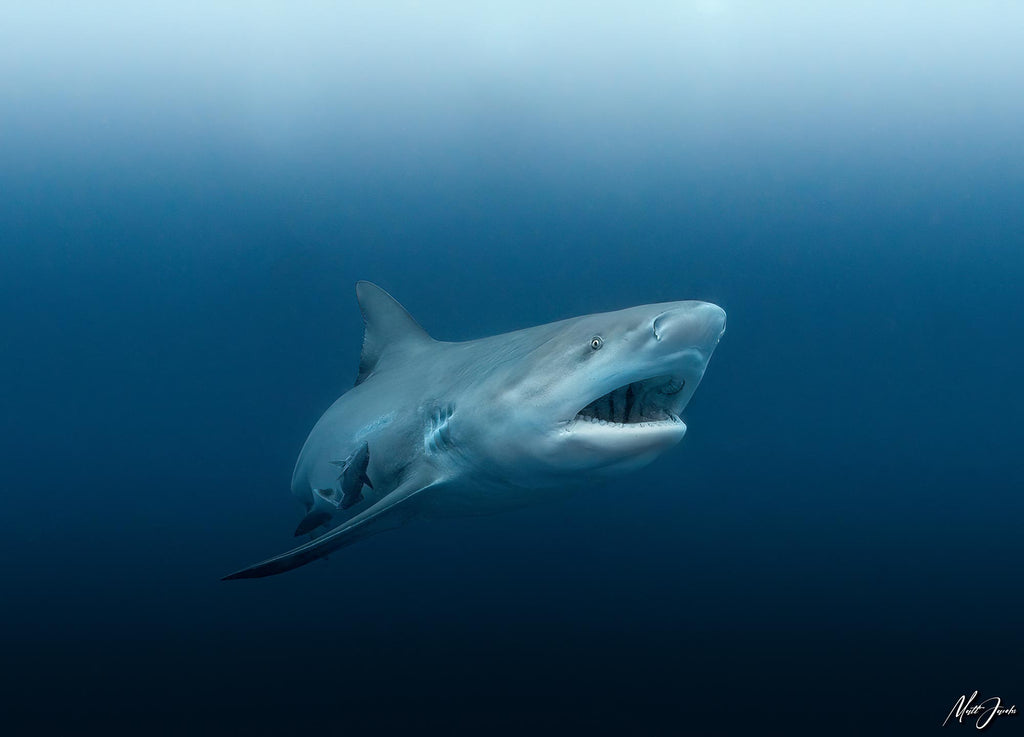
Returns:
(390, 330)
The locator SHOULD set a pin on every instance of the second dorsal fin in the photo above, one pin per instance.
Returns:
(390, 329)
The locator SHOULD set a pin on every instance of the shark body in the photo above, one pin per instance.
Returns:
(435, 428)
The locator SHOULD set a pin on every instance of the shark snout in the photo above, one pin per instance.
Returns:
(691, 325)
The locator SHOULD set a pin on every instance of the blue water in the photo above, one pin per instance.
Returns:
(187, 197)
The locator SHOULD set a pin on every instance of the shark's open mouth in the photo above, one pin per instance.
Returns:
(653, 400)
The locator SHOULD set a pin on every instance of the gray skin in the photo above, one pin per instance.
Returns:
(496, 423)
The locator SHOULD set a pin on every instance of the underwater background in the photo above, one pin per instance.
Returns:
(188, 193)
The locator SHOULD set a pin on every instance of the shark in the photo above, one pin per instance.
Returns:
(435, 429)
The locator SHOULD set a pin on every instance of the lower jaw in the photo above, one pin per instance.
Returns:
(671, 421)
(585, 448)
(610, 442)
(611, 449)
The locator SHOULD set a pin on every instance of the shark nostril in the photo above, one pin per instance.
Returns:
(655, 326)
(697, 325)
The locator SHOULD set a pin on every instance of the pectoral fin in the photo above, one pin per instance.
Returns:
(389, 512)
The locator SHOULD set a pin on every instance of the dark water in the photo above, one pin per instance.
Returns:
(187, 196)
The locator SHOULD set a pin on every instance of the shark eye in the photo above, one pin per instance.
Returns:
(596, 342)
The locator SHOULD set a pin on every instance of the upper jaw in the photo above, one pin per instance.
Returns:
(654, 399)
(649, 398)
